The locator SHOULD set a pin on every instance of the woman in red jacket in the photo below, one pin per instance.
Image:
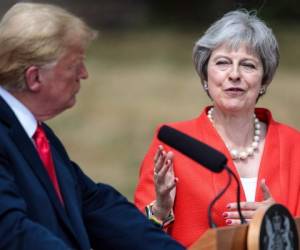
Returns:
(236, 60)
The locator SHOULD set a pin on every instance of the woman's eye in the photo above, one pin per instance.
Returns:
(222, 62)
(249, 65)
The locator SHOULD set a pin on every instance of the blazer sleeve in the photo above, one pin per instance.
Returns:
(17, 231)
(113, 222)
(145, 190)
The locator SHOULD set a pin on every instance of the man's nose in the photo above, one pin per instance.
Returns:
(83, 74)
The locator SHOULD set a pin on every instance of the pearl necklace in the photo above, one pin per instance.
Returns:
(249, 151)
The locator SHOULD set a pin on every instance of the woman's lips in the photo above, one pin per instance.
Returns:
(234, 91)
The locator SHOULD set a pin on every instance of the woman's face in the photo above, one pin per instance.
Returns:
(234, 78)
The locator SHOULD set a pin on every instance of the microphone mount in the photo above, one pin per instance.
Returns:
(219, 195)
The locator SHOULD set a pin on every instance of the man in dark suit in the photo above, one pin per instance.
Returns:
(46, 201)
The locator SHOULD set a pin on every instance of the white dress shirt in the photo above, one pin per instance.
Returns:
(249, 185)
(25, 117)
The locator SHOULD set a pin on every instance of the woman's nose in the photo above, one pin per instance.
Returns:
(234, 74)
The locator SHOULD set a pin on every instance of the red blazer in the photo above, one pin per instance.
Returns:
(197, 186)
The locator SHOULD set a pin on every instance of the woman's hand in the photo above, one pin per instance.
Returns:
(165, 183)
(248, 208)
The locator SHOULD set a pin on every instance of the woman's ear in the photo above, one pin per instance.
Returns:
(32, 79)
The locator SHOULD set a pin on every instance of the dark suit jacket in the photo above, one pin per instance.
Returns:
(31, 216)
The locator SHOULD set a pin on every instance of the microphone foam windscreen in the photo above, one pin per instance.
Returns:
(192, 148)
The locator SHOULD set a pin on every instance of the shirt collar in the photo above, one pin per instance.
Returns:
(23, 114)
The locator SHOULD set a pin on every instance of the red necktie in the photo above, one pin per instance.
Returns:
(43, 148)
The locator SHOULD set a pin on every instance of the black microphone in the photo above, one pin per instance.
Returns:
(192, 148)
(203, 154)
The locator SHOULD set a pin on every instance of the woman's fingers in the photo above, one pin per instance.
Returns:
(248, 209)
(244, 205)
(233, 218)
(168, 161)
(159, 160)
(157, 154)
(248, 214)
(165, 179)
(235, 221)
(164, 170)
(160, 177)
(164, 167)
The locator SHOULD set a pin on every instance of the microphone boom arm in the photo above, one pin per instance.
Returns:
(219, 195)
(212, 203)
(238, 195)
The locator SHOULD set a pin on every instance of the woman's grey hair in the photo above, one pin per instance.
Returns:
(37, 34)
(233, 29)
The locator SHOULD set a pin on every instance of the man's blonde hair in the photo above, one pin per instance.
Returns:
(36, 34)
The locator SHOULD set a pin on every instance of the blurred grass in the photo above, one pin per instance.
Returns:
(143, 78)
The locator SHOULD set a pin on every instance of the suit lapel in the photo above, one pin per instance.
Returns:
(69, 190)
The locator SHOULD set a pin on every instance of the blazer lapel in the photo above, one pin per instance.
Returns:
(69, 190)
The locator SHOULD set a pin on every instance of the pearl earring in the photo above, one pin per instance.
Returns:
(205, 86)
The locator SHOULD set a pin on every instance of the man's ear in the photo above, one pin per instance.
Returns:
(32, 79)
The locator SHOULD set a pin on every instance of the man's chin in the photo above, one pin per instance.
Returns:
(72, 103)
